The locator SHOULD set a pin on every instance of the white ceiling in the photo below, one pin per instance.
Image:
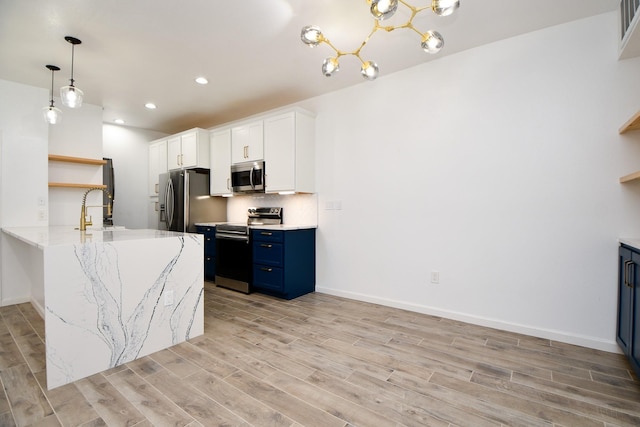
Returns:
(136, 51)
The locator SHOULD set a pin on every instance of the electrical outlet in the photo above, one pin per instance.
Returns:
(435, 277)
(168, 298)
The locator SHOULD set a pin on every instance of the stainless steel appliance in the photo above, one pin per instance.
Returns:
(248, 177)
(184, 200)
(233, 248)
(108, 179)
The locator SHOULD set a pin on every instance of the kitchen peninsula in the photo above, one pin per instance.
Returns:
(107, 296)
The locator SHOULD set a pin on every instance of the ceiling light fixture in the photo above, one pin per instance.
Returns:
(202, 81)
(150, 105)
(118, 121)
(431, 41)
(71, 96)
(52, 114)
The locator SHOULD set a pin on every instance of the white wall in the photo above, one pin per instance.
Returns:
(79, 134)
(129, 149)
(497, 167)
(23, 169)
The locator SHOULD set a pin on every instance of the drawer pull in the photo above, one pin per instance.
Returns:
(268, 270)
(266, 233)
(266, 245)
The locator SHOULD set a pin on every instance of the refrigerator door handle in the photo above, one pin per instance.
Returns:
(169, 199)
(187, 214)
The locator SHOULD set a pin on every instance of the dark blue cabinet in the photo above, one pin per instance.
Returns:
(209, 233)
(284, 262)
(628, 325)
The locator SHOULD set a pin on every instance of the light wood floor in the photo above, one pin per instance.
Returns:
(323, 361)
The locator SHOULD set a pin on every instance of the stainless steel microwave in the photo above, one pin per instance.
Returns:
(248, 177)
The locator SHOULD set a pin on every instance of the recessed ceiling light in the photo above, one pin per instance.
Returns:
(119, 121)
(202, 81)
(150, 105)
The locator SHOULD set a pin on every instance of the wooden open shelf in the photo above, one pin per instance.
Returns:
(632, 124)
(82, 160)
(630, 177)
(74, 185)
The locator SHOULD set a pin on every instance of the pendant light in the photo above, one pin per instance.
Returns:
(71, 96)
(52, 114)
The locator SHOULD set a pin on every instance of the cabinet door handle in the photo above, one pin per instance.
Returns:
(628, 273)
(268, 270)
(181, 159)
(157, 206)
(157, 188)
(265, 245)
(228, 180)
(266, 233)
(178, 159)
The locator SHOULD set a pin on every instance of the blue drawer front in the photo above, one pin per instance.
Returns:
(269, 278)
(268, 253)
(268, 236)
(210, 267)
(210, 245)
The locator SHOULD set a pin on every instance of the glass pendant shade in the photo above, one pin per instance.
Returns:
(330, 66)
(432, 42)
(383, 9)
(311, 35)
(369, 70)
(52, 115)
(71, 96)
(444, 7)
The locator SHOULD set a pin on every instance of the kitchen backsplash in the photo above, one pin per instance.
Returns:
(299, 209)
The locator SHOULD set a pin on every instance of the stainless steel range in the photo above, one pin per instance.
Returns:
(233, 248)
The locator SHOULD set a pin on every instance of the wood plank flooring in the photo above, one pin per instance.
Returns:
(324, 361)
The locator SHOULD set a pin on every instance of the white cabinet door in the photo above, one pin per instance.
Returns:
(189, 146)
(247, 143)
(188, 150)
(280, 153)
(157, 164)
(174, 151)
(220, 162)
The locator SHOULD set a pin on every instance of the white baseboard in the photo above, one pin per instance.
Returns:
(38, 307)
(14, 301)
(581, 340)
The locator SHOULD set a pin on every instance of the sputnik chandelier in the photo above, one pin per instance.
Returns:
(431, 41)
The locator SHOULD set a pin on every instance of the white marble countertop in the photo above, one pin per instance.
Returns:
(282, 227)
(629, 241)
(42, 237)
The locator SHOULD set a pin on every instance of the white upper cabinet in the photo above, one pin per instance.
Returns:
(188, 149)
(247, 142)
(289, 153)
(285, 140)
(220, 178)
(157, 164)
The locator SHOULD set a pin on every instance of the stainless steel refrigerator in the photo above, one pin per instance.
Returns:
(184, 201)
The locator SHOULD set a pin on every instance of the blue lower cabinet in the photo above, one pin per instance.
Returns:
(209, 233)
(628, 325)
(284, 262)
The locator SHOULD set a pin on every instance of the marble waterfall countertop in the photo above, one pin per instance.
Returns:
(633, 242)
(107, 297)
(42, 237)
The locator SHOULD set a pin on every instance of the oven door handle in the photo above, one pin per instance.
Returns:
(241, 238)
